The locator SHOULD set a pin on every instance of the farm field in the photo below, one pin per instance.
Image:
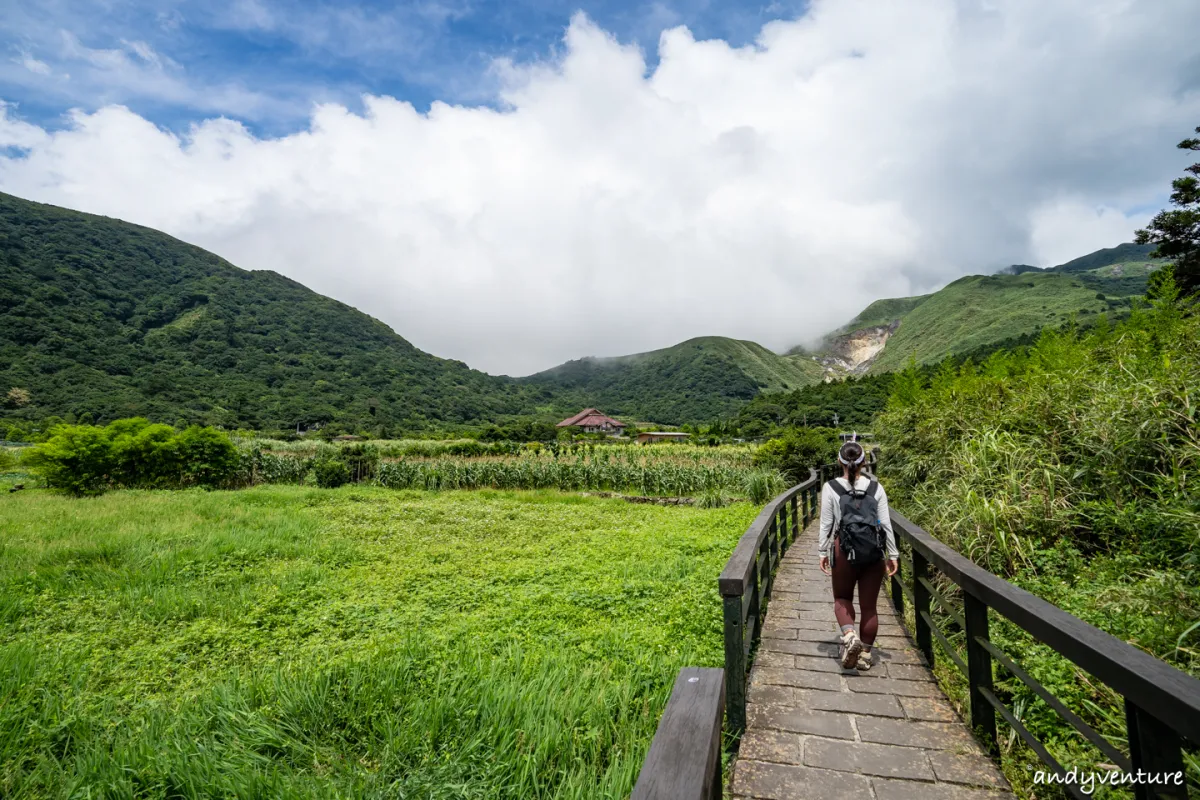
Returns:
(286, 641)
(672, 470)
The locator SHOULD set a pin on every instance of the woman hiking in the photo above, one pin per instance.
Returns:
(857, 542)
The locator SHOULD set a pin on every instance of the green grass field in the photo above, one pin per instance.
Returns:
(292, 642)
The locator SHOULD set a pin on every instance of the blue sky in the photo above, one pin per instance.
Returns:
(265, 62)
(858, 149)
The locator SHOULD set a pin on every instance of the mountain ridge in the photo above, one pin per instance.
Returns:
(105, 318)
(101, 318)
(975, 311)
(666, 380)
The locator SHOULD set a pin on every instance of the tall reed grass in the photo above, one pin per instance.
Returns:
(1068, 468)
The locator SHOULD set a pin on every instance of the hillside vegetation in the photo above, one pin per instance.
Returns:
(981, 311)
(977, 310)
(700, 379)
(882, 312)
(103, 319)
(1066, 469)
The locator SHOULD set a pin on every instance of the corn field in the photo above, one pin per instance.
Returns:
(667, 471)
(730, 455)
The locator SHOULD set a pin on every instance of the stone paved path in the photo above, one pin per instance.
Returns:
(815, 731)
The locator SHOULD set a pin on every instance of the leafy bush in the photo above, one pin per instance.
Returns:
(331, 473)
(362, 461)
(207, 457)
(146, 454)
(87, 460)
(468, 448)
(76, 458)
(797, 451)
(764, 484)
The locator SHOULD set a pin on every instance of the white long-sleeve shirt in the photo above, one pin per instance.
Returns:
(831, 515)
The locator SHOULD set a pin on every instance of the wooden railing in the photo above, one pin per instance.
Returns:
(1162, 704)
(745, 584)
(684, 762)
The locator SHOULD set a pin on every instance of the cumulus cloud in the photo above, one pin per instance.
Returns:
(767, 192)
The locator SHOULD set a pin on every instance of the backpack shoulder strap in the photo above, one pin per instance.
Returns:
(872, 488)
(838, 489)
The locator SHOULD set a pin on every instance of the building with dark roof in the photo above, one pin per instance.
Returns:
(648, 437)
(591, 420)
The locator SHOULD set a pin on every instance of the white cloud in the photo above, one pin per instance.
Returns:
(766, 192)
(32, 64)
(1066, 229)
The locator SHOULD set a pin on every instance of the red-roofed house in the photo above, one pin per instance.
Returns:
(591, 420)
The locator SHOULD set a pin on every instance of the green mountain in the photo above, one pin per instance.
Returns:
(1127, 253)
(1119, 270)
(101, 319)
(104, 319)
(979, 311)
(699, 379)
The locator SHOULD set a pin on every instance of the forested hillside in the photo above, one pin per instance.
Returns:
(978, 310)
(102, 319)
(697, 380)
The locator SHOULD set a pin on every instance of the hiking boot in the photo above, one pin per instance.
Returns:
(851, 647)
(864, 660)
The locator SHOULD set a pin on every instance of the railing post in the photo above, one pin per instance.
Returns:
(795, 518)
(921, 605)
(898, 589)
(735, 664)
(979, 669)
(784, 529)
(752, 617)
(684, 760)
(1154, 748)
(770, 556)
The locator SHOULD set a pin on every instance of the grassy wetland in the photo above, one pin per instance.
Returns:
(288, 641)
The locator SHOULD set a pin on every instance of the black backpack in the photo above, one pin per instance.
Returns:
(859, 532)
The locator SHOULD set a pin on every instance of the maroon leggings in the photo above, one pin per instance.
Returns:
(868, 580)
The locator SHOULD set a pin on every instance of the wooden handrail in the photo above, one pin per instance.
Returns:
(745, 584)
(1162, 703)
(1153, 684)
(740, 567)
(684, 761)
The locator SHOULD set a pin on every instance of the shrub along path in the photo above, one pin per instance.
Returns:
(816, 731)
